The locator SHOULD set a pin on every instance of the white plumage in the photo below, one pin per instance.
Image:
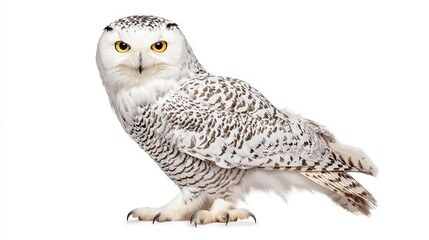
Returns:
(216, 137)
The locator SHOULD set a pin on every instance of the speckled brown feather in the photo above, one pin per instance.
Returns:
(358, 198)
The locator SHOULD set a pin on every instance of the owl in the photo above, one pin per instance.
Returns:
(217, 138)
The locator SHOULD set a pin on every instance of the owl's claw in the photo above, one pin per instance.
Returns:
(226, 219)
(130, 213)
(156, 217)
(252, 216)
(147, 214)
(193, 219)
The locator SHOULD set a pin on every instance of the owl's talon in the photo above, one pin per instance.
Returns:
(130, 213)
(156, 218)
(193, 219)
(226, 219)
(252, 216)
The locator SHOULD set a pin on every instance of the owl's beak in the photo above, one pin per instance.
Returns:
(140, 63)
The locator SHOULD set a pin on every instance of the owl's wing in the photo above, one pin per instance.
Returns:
(229, 95)
(263, 137)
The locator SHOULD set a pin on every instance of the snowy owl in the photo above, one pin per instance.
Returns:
(216, 138)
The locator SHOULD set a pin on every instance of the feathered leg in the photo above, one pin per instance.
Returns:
(180, 208)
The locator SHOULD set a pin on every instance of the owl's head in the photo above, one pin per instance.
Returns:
(138, 49)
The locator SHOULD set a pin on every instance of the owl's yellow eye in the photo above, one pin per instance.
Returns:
(159, 46)
(122, 47)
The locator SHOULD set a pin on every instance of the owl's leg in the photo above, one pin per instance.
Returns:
(221, 211)
(180, 208)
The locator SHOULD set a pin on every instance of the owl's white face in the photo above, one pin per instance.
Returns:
(130, 55)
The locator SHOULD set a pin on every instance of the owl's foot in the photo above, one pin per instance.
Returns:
(205, 216)
(178, 209)
(221, 211)
(148, 214)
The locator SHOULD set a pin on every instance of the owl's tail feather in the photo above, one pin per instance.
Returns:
(353, 157)
(345, 191)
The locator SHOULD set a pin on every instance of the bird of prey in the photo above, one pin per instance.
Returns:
(216, 137)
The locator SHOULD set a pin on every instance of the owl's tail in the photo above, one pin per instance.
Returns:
(353, 157)
(344, 190)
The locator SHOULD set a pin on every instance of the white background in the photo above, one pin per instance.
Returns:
(69, 171)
